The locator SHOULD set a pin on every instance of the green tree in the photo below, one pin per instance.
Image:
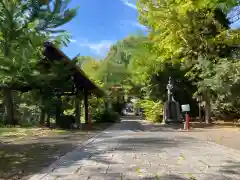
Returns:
(123, 53)
(195, 33)
(25, 25)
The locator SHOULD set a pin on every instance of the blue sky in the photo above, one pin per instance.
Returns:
(100, 23)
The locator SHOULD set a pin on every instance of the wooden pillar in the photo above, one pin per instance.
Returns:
(77, 110)
(58, 110)
(48, 124)
(86, 106)
(42, 117)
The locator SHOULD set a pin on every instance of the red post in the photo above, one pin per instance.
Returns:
(187, 122)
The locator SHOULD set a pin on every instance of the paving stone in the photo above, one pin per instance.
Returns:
(124, 154)
(213, 176)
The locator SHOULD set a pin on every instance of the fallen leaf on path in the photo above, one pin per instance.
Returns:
(221, 138)
(181, 157)
(138, 171)
(156, 176)
(191, 177)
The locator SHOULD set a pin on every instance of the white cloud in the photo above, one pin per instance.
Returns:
(98, 48)
(73, 40)
(124, 25)
(139, 25)
(129, 4)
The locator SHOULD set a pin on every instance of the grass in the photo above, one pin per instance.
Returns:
(26, 132)
(22, 132)
(4, 131)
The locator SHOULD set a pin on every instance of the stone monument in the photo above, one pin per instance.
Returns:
(171, 111)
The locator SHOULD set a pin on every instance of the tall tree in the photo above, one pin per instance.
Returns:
(195, 33)
(24, 26)
(121, 53)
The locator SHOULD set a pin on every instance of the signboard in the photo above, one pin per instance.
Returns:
(185, 107)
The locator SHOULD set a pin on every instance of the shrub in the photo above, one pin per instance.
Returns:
(117, 107)
(225, 111)
(105, 116)
(66, 121)
(153, 111)
(27, 123)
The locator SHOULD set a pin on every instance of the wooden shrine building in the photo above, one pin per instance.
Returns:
(82, 85)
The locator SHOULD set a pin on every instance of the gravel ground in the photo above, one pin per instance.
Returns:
(22, 157)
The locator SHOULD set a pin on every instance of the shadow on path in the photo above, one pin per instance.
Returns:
(117, 147)
(22, 158)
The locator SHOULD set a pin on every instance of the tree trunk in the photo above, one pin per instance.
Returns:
(7, 93)
(105, 104)
(42, 117)
(48, 120)
(200, 112)
(8, 105)
(208, 119)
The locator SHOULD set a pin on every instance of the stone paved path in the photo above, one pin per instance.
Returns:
(129, 151)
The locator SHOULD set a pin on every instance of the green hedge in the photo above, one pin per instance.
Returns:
(117, 107)
(66, 121)
(153, 111)
(105, 116)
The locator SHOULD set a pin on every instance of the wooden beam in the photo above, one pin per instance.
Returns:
(86, 106)
(58, 110)
(50, 49)
(77, 109)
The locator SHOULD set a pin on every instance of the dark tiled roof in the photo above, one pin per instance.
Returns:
(80, 78)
